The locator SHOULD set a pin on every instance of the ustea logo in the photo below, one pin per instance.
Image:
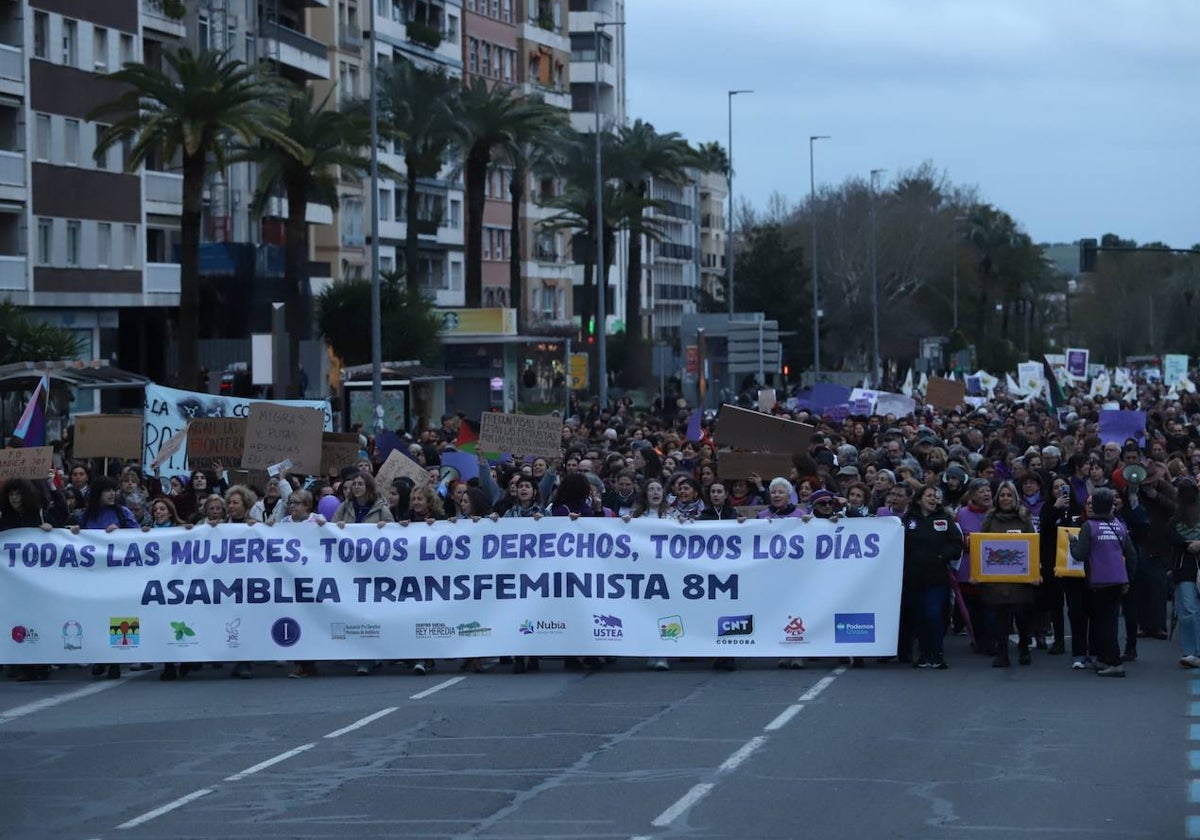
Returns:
(607, 627)
(794, 631)
(670, 628)
(852, 628)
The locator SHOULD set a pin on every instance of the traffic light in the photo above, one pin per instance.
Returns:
(1087, 256)
(787, 370)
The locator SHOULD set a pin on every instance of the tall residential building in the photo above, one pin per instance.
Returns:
(671, 262)
(714, 189)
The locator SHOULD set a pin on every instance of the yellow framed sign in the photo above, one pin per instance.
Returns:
(1066, 566)
(1005, 558)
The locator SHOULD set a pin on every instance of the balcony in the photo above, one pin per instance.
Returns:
(153, 18)
(425, 34)
(350, 40)
(673, 251)
(12, 274)
(161, 279)
(164, 189)
(294, 50)
(12, 63)
(674, 209)
(12, 169)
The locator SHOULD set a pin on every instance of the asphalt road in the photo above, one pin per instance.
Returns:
(879, 752)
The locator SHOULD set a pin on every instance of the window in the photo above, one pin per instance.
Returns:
(385, 205)
(452, 29)
(130, 246)
(103, 244)
(506, 13)
(73, 243)
(126, 49)
(455, 213)
(509, 60)
(485, 60)
(45, 241)
(203, 31)
(100, 48)
(41, 35)
(456, 276)
(41, 140)
(71, 142)
(496, 9)
(473, 55)
(70, 42)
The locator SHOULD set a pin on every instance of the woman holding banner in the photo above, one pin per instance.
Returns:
(22, 507)
(1007, 602)
(932, 541)
(104, 514)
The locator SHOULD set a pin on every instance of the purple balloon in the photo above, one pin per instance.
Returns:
(328, 506)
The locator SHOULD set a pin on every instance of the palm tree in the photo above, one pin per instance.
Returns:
(712, 157)
(321, 141)
(194, 108)
(490, 119)
(642, 155)
(416, 111)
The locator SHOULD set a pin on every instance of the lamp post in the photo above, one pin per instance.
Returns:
(601, 274)
(876, 372)
(812, 206)
(376, 305)
(729, 251)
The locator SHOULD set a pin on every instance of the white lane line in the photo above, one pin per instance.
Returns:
(686, 801)
(59, 699)
(783, 718)
(741, 755)
(421, 695)
(165, 809)
(270, 762)
(822, 684)
(360, 723)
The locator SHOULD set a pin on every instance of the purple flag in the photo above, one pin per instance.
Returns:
(694, 433)
(31, 428)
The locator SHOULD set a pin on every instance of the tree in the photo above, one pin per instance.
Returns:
(322, 140)
(712, 157)
(415, 109)
(193, 108)
(24, 339)
(489, 119)
(410, 323)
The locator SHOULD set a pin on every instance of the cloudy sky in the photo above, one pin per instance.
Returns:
(1079, 117)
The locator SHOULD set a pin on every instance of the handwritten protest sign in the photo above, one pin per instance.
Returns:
(520, 434)
(108, 436)
(277, 433)
(215, 439)
(30, 462)
(399, 465)
(742, 428)
(945, 393)
(337, 451)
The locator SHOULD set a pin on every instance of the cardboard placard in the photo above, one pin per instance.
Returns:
(276, 433)
(742, 428)
(1066, 566)
(108, 436)
(945, 393)
(214, 439)
(521, 434)
(338, 450)
(32, 462)
(399, 465)
(734, 465)
(173, 445)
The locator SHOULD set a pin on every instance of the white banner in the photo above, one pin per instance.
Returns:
(168, 411)
(782, 588)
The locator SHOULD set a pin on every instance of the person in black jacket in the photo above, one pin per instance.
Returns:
(932, 540)
(719, 507)
(21, 507)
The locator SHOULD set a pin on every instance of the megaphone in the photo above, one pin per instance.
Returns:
(1134, 474)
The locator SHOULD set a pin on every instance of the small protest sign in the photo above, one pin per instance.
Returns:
(277, 433)
(215, 439)
(521, 434)
(399, 465)
(945, 393)
(897, 405)
(1077, 364)
(338, 450)
(108, 436)
(31, 462)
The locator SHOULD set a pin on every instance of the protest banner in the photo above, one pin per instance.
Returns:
(399, 465)
(521, 434)
(1118, 426)
(215, 440)
(1004, 558)
(945, 393)
(1175, 368)
(281, 434)
(1077, 364)
(168, 411)
(338, 450)
(1030, 376)
(108, 436)
(551, 587)
(897, 405)
(735, 465)
(741, 428)
(34, 462)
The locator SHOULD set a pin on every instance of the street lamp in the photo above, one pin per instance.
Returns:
(601, 274)
(729, 255)
(376, 282)
(876, 371)
(812, 204)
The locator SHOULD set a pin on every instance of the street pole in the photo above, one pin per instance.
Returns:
(376, 305)
(876, 372)
(729, 250)
(812, 209)
(602, 275)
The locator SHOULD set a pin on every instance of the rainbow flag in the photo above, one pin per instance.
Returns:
(31, 428)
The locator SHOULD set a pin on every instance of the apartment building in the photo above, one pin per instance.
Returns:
(714, 190)
(671, 263)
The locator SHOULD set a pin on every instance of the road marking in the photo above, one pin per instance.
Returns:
(59, 699)
(359, 724)
(270, 762)
(682, 804)
(784, 716)
(165, 809)
(421, 695)
(747, 749)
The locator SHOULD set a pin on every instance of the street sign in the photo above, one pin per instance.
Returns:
(578, 373)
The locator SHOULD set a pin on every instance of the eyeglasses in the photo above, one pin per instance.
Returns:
(822, 503)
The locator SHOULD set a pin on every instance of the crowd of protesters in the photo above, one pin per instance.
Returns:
(1007, 467)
